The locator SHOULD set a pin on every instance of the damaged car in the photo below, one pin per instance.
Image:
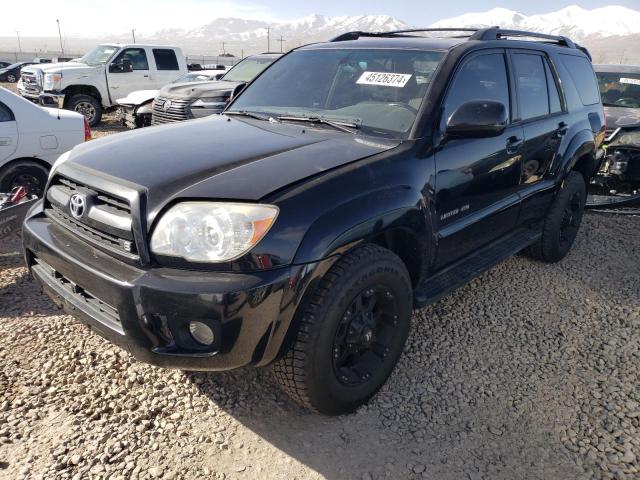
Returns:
(617, 183)
(176, 102)
(134, 110)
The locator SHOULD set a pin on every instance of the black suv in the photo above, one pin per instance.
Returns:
(350, 182)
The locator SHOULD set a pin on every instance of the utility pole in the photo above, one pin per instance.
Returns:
(60, 35)
(223, 50)
(269, 38)
(281, 42)
(133, 34)
(19, 47)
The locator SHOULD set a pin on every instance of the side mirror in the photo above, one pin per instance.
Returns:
(124, 66)
(478, 118)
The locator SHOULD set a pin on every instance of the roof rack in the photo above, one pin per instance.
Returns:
(491, 33)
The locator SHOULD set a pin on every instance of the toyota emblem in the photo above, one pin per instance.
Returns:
(167, 105)
(77, 205)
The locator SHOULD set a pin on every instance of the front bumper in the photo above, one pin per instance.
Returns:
(55, 100)
(147, 311)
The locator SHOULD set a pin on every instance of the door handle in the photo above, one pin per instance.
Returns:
(514, 144)
(562, 129)
(5, 142)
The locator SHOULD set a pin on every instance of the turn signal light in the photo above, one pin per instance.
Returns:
(87, 130)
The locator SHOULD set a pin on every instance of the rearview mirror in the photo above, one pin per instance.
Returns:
(478, 118)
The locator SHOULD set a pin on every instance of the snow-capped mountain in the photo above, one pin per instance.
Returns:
(572, 21)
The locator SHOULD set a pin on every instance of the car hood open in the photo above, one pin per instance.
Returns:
(221, 157)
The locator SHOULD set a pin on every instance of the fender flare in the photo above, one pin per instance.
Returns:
(366, 216)
(581, 144)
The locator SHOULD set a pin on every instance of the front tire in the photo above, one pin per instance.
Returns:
(88, 106)
(11, 78)
(351, 333)
(563, 221)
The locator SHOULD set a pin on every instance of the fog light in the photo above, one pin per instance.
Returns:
(201, 333)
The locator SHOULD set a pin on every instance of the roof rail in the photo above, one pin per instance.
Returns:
(357, 34)
(486, 34)
(496, 33)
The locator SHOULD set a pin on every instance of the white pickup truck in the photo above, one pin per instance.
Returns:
(91, 84)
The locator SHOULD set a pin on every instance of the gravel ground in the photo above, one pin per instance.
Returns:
(530, 371)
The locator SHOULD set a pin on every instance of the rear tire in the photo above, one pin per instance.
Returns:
(88, 106)
(563, 221)
(27, 173)
(351, 334)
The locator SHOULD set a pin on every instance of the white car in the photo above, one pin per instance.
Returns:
(31, 140)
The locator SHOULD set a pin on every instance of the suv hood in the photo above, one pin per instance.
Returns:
(622, 117)
(220, 157)
(195, 90)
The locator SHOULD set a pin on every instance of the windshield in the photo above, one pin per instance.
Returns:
(620, 89)
(193, 77)
(379, 90)
(99, 55)
(248, 69)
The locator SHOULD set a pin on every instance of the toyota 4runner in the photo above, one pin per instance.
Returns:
(350, 182)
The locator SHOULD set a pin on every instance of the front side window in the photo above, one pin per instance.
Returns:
(619, 89)
(137, 57)
(379, 90)
(483, 77)
(6, 115)
(165, 59)
(531, 84)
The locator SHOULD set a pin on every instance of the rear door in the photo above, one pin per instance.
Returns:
(8, 133)
(122, 84)
(167, 67)
(477, 178)
(545, 120)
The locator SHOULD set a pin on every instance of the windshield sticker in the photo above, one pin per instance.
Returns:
(632, 81)
(397, 80)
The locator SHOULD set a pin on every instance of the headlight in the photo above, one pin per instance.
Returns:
(207, 105)
(211, 231)
(52, 81)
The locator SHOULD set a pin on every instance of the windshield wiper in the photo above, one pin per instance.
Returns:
(246, 113)
(348, 127)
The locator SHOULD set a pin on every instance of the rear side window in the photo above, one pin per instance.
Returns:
(581, 72)
(165, 59)
(6, 115)
(481, 78)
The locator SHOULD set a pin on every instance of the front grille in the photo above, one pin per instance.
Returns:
(31, 83)
(78, 296)
(176, 112)
(106, 220)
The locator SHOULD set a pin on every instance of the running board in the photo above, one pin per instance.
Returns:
(465, 270)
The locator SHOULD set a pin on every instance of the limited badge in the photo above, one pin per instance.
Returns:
(397, 80)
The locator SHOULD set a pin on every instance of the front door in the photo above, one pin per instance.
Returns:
(122, 83)
(477, 178)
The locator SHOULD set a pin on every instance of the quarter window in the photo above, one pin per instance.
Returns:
(165, 59)
(581, 73)
(481, 78)
(137, 57)
(554, 96)
(6, 115)
(531, 84)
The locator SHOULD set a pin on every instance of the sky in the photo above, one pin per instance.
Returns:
(99, 17)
